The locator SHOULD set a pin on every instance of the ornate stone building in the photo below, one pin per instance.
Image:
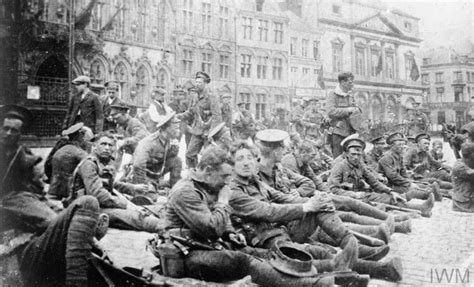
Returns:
(448, 78)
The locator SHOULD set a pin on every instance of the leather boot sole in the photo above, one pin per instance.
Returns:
(378, 253)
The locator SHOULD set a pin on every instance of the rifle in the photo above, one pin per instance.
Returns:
(367, 240)
(193, 243)
(397, 208)
(136, 207)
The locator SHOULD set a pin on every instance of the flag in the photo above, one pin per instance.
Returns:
(320, 78)
(414, 73)
(379, 67)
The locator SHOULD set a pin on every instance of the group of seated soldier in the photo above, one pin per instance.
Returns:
(245, 200)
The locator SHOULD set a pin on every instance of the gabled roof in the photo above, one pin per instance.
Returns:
(377, 21)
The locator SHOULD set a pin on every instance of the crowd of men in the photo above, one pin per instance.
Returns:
(289, 202)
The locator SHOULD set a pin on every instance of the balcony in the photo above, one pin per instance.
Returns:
(458, 82)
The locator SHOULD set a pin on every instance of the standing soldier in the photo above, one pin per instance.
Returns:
(112, 90)
(313, 119)
(226, 109)
(419, 123)
(341, 105)
(133, 129)
(84, 107)
(180, 105)
(206, 114)
(297, 118)
(280, 121)
(242, 122)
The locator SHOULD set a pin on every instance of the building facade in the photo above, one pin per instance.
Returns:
(448, 79)
(379, 46)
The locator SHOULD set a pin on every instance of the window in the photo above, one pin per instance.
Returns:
(469, 92)
(293, 46)
(305, 71)
(304, 47)
(245, 97)
(206, 18)
(408, 66)
(374, 62)
(439, 94)
(407, 26)
(206, 62)
(457, 76)
(262, 67)
(425, 79)
(247, 26)
(263, 30)
(472, 77)
(468, 77)
(336, 58)
(279, 99)
(187, 61)
(223, 21)
(336, 9)
(277, 68)
(360, 61)
(458, 94)
(141, 26)
(278, 33)
(224, 66)
(439, 78)
(259, 5)
(121, 75)
(245, 66)
(441, 117)
(97, 72)
(187, 15)
(97, 16)
(260, 106)
(315, 49)
(390, 65)
(294, 69)
(143, 81)
(119, 22)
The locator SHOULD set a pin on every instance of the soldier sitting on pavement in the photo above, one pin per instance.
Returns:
(372, 157)
(157, 154)
(199, 208)
(95, 176)
(392, 167)
(463, 180)
(266, 215)
(350, 177)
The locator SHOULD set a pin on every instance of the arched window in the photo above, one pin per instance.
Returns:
(261, 105)
(377, 108)
(97, 72)
(392, 109)
(121, 75)
(142, 86)
(162, 78)
(361, 101)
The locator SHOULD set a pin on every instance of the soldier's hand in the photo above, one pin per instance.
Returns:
(238, 239)
(141, 188)
(224, 194)
(319, 203)
(397, 197)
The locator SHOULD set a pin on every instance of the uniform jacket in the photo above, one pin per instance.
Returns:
(87, 110)
(192, 206)
(227, 112)
(345, 172)
(134, 131)
(338, 104)
(312, 120)
(292, 162)
(258, 209)
(151, 154)
(392, 167)
(463, 182)
(287, 181)
(372, 158)
(205, 112)
(420, 162)
(63, 162)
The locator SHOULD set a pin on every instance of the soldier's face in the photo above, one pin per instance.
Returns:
(104, 147)
(112, 92)
(245, 163)
(347, 85)
(11, 131)
(118, 118)
(173, 129)
(353, 155)
(200, 84)
(424, 144)
(217, 179)
(307, 156)
(278, 153)
(399, 146)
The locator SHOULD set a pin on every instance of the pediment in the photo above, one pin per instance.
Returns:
(378, 23)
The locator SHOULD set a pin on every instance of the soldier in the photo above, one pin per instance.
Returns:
(205, 113)
(84, 107)
(95, 176)
(112, 90)
(180, 105)
(378, 148)
(21, 188)
(156, 155)
(267, 215)
(312, 120)
(242, 122)
(297, 118)
(419, 122)
(199, 208)
(157, 111)
(133, 129)
(226, 109)
(463, 180)
(280, 121)
(65, 159)
(437, 151)
(392, 167)
(340, 105)
(220, 136)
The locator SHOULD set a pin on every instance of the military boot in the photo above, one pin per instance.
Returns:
(418, 193)
(373, 253)
(402, 216)
(424, 207)
(382, 231)
(344, 261)
(391, 270)
(436, 191)
(102, 226)
(403, 227)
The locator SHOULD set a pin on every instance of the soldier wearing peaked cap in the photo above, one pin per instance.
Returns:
(226, 109)
(157, 155)
(378, 148)
(206, 114)
(112, 90)
(243, 123)
(85, 106)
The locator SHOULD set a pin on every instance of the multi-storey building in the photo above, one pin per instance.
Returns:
(448, 79)
(262, 56)
(379, 46)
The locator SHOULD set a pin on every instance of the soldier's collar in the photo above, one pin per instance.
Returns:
(241, 180)
(340, 92)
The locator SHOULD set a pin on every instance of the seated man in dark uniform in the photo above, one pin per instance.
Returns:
(463, 180)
